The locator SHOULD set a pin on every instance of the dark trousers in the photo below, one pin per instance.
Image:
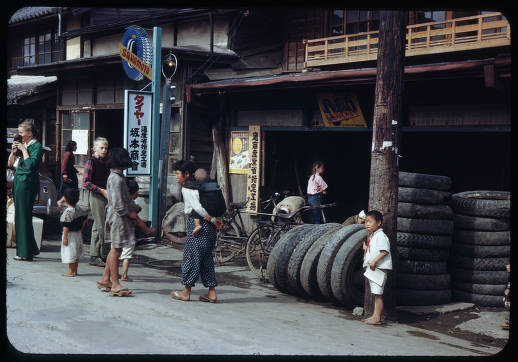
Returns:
(315, 200)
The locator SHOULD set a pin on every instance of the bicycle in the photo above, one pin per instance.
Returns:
(231, 237)
(263, 238)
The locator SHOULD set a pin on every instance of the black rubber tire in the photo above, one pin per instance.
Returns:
(467, 262)
(297, 256)
(423, 282)
(423, 196)
(495, 204)
(347, 282)
(423, 254)
(424, 226)
(422, 267)
(424, 181)
(325, 261)
(480, 223)
(308, 268)
(419, 211)
(486, 289)
(494, 277)
(481, 251)
(478, 299)
(410, 297)
(274, 255)
(482, 237)
(425, 241)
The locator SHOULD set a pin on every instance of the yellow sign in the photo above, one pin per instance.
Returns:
(136, 62)
(253, 179)
(341, 110)
(238, 152)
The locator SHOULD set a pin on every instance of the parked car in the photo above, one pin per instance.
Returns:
(46, 200)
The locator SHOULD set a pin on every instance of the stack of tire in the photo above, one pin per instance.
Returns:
(424, 237)
(481, 247)
(320, 262)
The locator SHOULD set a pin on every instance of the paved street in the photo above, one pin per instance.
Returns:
(49, 313)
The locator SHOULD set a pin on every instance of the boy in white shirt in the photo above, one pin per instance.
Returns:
(377, 255)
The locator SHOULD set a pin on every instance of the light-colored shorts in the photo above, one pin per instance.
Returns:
(376, 288)
(127, 253)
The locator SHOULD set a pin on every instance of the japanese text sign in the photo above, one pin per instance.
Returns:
(340, 110)
(137, 131)
(254, 166)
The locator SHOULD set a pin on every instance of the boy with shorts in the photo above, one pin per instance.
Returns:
(376, 255)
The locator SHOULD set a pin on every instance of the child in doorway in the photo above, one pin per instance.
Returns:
(376, 255)
(127, 252)
(316, 188)
(73, 221)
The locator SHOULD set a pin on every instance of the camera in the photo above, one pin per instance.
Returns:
(18, 138)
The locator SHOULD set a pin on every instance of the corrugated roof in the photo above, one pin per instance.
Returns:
(31, 12)
(24, 86)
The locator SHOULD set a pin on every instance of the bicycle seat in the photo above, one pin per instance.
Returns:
(238, 205)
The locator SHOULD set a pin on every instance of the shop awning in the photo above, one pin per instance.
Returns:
(26, 89)
(349, 76)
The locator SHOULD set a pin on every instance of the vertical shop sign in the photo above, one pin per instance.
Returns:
(341, 110)
(254, 167)
(137, 131)
(238, 160)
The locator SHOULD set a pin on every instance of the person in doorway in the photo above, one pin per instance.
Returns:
(355, 219)
(317, 187)
(127, 252)
(26, 185)
(73, 220)
(376, 255)
(198, 257)
(68, 171)
(95, 178)
(120, 220)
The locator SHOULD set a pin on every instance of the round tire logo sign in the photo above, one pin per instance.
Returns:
(137, 47)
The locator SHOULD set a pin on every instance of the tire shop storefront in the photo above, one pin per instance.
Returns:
(454, 125)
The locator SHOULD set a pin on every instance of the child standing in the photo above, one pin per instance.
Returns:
(316, 188)
(119, 221)
(377, 255)
(127, 252)
(72, 220)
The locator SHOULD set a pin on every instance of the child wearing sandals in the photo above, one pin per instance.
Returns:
(377, 255)
(119, 226)
(72, 221)
(127, 252)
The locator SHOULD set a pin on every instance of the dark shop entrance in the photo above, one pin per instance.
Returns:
(474, 161)
(109, 123)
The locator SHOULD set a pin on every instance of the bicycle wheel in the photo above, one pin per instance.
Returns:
(229, 243)
(258, 248)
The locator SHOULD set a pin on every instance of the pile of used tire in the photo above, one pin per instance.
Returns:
(424, 237)
(481, 246)
(320, 262)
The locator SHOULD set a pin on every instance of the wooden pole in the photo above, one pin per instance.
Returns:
(383, 188)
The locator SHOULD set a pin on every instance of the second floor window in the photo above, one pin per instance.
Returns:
(40, 48)
(353, 21)
(29, 51)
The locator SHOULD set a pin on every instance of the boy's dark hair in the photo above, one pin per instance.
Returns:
(70, 146)
(376, 215)
(118, 157)
(72, 196)
(185, 165)
(133, 186)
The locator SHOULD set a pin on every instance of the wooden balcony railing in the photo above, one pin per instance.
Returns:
(473, 32)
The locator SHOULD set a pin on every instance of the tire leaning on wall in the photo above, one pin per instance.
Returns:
(425, 226)
(478, 299)
(425, 181)
(297, 256)
(422, 267)
(419, 211)
(423, 254)
(423, 281)
(493, 204)
(482, 237)
(467, 222)
(412, 240)
(423, 196)
(495, 277)
(486, 289)
(481, 251)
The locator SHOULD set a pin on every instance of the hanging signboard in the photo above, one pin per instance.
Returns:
(137, 130)
(253, 178)
(340, 110)
(136, 52)
(80, 136)
(238, 160)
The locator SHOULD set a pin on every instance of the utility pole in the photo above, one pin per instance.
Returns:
(383, 189)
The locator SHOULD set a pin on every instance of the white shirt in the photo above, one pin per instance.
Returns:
(191, 199)
(378, 242)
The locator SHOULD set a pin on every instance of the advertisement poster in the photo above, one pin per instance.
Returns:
(253, 178)
(340, 110)
(137, 131)
(80, 136)
(238, 159)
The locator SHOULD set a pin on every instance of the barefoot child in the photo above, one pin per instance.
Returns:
(120, 219)
(377, 255)
(72, 220)
(127, 253)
